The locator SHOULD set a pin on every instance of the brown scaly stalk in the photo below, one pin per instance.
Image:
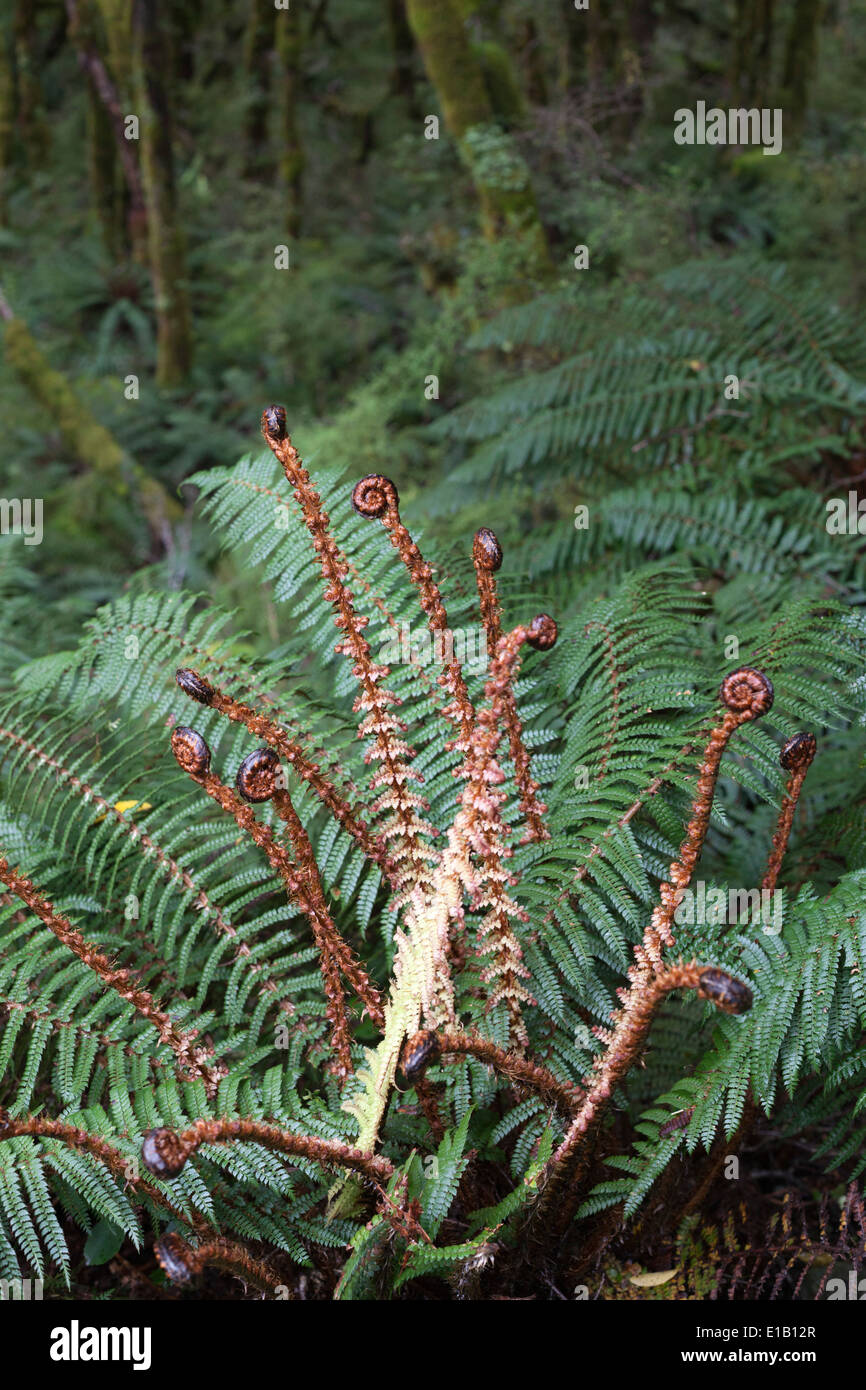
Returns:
(184, 1264)
(561, 1183)
(42, 1127)
(422, 989)
(180, 878)
(192, 1060)
(796, 757)
(193, 756)
(427, 1047)
(165, 1151)
(746, 694)
(201, 690)
(480, 802)
(404, 830)
(376, 496)
(487, 559)
(259, 779)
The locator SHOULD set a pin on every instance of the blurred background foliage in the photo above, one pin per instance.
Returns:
(260, 127)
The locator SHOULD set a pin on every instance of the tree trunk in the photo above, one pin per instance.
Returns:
(403, 55)
(115, 203)
(86, 439)
(7, 121)
(258, 53)
(33, 128)
(801, 49)
(289, 46)
(753, 44)
(573, 52)
(602, 45)
(499, 173)
(532, 58)
(106, 192)
(165, 241)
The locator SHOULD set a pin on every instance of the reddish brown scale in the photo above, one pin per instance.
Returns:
(519, 1070)
(747, 692)
(405, 833)
(487, 559)
(194, 685)
(796, 758)
(798, 752)
(303, 884)
(420, 1052)
(729, 994)
(191, 1057)
(310, 772)
(274, 421)
(258, 775)
(164, 1153)
(542, 632)
(176, 1258)
(191, 751)
(676, 1122)
(486, 550)
(374, 495)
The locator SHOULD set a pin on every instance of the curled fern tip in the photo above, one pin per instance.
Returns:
(374, 495)
(274, 422)
(486, 550)
(192, 685)
(747, 692)
(542, 632)
(257, 775)
(798, 752)
(729, 994)
(420, 1051)
(191, 751)
(163, 1153)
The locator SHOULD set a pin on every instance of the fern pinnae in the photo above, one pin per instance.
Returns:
(404, 832)
(376, 496)
(191, 1059)
(292, 753)
(302, 885)
(487, 559)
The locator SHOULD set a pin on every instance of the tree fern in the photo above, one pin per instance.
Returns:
(437, 990)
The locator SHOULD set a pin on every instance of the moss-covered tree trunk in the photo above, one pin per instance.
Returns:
(603, 39)
(801, 51)
(32, 126)
(7, 118)
(101, 36)
(532, 61)
(753, 51)
(107, 195)
(108, 468)
(498, 171)
(258, 54)
(117, 24)
(289, 46)
(164, 236)
(403, 55)
(573, 48)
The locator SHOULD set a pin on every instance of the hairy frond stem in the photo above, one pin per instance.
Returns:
(487, 559)
(796, 758)
(192, 1060)
(164, 1151)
